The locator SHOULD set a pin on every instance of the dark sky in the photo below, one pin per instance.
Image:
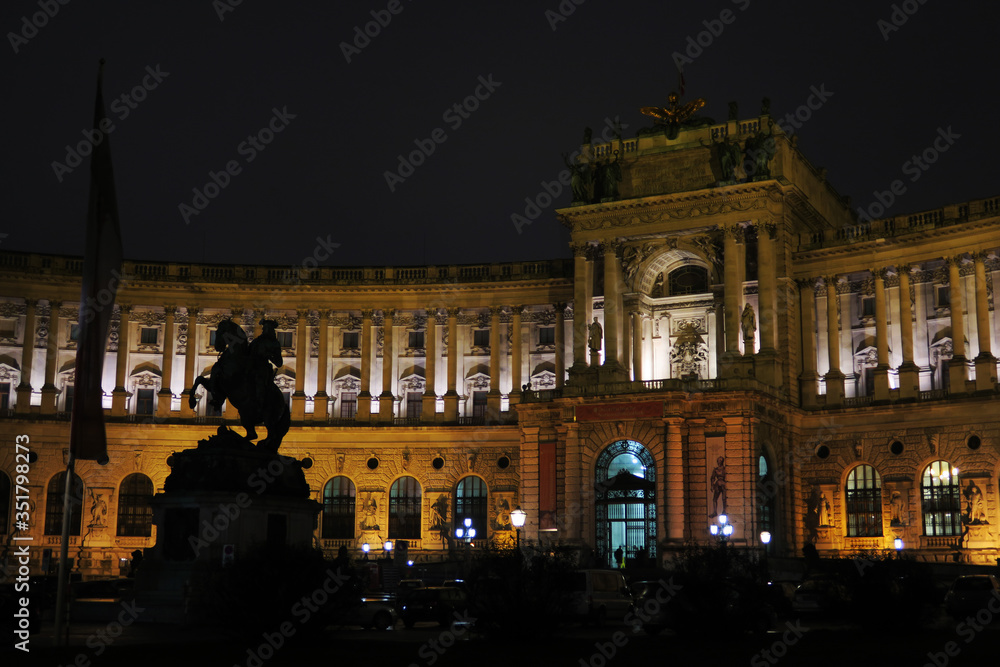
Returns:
(323, 175)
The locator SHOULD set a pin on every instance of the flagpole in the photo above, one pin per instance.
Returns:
(61, 607)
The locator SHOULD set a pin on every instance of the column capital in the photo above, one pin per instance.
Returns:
(55, 305)
(367, 313)
(831, 281)
(170, 311)
(302, 313)
(495, 311)
(388, 313)
(192, 311)
(124, 309)
(325, 313)
(432, 312)
(804, 283)
(903, 268)
(580, 249)
(955, 260)
(980, 256)
(879, 273)
(735, 232)
(517, 310)
(560, 307)
(766, 225)
(236, 312)
(453, 312)
(610, 247)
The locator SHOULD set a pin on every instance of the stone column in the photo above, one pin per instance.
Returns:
(451, 397)
(637, 346)
(190, 360)
(515, 353)
(561, 344)
(49, 390)
(909, 372)
(675, 501)
(881, 337)
(301, 355)
(386, 399)
(365, 396)
(166, 395)
(119, 396)
(428, 410)
(807, 311)
(493, 397)
(321, 400)
(958, 360)
(27, 357)
(767, 361)
(581, 309)
(733, 277)
(986, 363)
(834, 377)
(612, 315)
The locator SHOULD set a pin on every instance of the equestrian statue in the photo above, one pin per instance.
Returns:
(244, 374)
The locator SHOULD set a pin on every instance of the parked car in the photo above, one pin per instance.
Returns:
(377, 611)
(441, 604)
(970, 593)
(651, 610)
(822, 594)
(597, 596)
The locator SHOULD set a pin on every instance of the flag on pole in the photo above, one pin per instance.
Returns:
(102, 261)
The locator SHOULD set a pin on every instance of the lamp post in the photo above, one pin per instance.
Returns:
(517, 518)
(722, 529)
(366, 548)
(387, 547)
(765, 539)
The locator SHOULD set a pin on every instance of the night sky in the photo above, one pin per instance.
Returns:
(215, 75)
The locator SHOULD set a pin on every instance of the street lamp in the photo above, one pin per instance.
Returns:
(366, 548)
(468, 533)
(387, 545)
(765, 539)
(722, 529)
(517, 518)
(897, 544)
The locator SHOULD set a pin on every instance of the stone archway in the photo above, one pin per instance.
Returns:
(625, 507)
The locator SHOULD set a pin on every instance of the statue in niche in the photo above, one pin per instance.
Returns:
(596, 336)
(975, 506)
(731, 158)
(748, 321)
(812, 515)
(897, 504)
(718, 483)
(439, 516)
(824, 511)
(370, 519)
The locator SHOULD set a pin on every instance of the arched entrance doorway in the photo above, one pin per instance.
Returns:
(626, 504)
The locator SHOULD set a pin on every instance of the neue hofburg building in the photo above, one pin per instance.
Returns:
(758, 353)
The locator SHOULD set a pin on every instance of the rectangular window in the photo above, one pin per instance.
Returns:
(351, 340)
(144, 402)
(68, 407)
(211, 337)
(481, 338)
(414, 403)
(74, 332)
(8, 328)
(546, 335)
(148, 335)
(4, 395)
(285, 339)
(348, 404)
(867, 306)
(479, 404)
(417, 339)
(943, 293)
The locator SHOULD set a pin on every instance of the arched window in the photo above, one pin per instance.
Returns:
(338, 509)
(404, 509)
(941, 504)
(135, 506)
(470, 503)
(4, 502)
(688, 280)
(766, 496)
(863, 496)
(54, 505)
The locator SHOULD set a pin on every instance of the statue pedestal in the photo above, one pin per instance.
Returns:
(221, 500)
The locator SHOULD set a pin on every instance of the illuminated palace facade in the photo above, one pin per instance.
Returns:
(721, 342)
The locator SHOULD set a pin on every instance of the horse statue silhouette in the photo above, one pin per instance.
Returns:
(244, 375)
